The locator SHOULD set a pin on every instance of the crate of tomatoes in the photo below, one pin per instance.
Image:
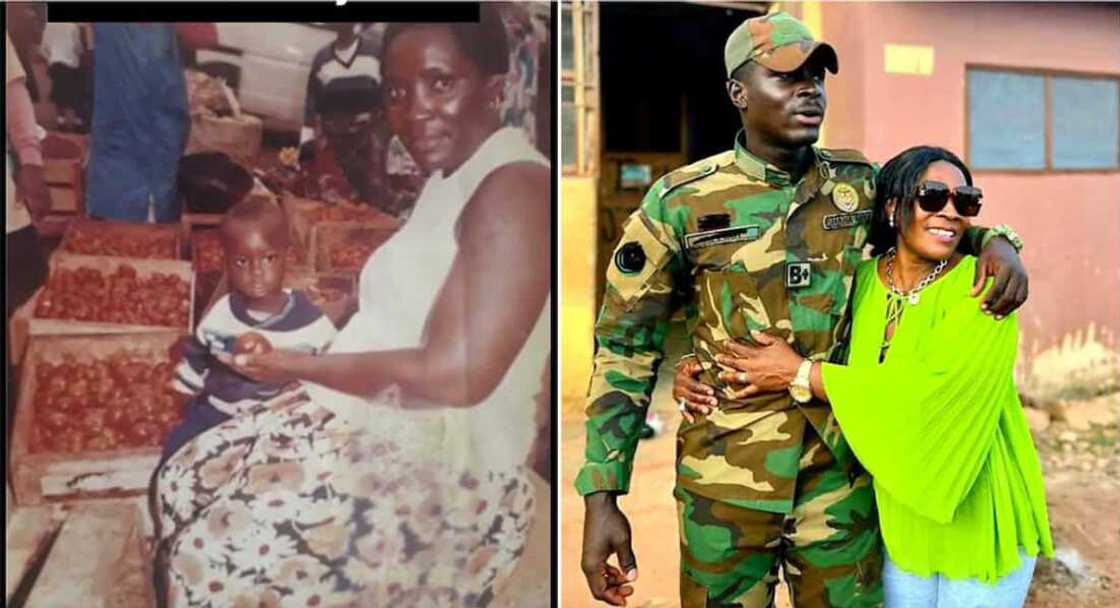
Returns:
(309, 218)
(123, 239)
(106, 295)
(207, 254)
(92, 414)
(344, 248)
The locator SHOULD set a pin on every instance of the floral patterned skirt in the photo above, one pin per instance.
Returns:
(282, 507)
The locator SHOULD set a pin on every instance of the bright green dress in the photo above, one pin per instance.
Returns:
(940, 428)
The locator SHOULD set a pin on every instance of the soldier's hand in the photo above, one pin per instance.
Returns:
(698, 398)
(606, 531)
(768, 367)
(1009, 290)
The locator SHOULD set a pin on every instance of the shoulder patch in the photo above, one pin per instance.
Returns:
(845, 156)
(697, 170)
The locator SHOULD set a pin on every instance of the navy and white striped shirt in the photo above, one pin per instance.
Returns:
(300, 326)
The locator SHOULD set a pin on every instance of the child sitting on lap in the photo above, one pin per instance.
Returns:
(257, 315)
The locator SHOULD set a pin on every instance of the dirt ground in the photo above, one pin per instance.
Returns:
(1081, 466)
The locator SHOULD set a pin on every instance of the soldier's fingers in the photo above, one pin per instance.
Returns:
(979, 277)
(734, 363)
(745, 392)
(626, 560)
(763, 339)
(596, 582)
(999, 297)
(739, 349)
(693, 369)
(1006, 302)
(697, 408)
(687, 416)
(613, 576)
(600, 580)
(691, 384)
(1023, 293)
(999, 288)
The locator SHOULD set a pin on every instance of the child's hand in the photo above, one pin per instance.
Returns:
(276, 367)
(178, 350)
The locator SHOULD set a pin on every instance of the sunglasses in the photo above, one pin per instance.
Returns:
(932, 197)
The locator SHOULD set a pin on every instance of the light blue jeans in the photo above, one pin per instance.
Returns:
(905, 590)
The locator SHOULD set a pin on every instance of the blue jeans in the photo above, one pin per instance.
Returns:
(905, 590)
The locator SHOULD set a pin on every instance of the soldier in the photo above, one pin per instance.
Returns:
(765, 237)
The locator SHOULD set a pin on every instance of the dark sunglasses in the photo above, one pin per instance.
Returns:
(932, 197)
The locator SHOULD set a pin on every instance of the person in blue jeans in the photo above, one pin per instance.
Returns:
(140, 123)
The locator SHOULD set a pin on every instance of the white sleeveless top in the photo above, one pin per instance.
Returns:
(397, 290)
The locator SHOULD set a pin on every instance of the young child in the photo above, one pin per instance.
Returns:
(256, 237)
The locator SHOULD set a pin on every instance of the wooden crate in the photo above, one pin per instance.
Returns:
(303, 212)
(39, 477)
(126, 230)
(338, 311)
(84, 567)
(64, 173)
(328, 235)
(144, 268)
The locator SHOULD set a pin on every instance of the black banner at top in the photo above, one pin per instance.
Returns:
(322, 11)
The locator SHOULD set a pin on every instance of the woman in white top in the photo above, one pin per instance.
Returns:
(394, 476)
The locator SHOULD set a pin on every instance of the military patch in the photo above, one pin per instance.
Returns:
(798, 274)
(846, 220)
(713, 221)
(630, 258)
(711, 238)
(845, 197)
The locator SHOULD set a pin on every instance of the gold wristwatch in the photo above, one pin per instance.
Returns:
(800, 389)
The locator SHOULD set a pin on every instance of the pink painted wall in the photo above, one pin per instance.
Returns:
(1070, 222)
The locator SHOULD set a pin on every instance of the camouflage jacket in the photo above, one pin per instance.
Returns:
(740, 247)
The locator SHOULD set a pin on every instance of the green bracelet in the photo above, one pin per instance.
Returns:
(1006, 232)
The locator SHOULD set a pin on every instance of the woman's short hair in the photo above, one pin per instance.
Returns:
(899, 180)
(485, 42)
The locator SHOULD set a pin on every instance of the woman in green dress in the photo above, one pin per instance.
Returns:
(927, 400)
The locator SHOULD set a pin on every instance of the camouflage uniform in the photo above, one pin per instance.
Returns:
(741, 247)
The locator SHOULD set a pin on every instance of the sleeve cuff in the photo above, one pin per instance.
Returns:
(603, 477)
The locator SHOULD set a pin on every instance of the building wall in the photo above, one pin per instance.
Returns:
(1070, 222)
(578, 241)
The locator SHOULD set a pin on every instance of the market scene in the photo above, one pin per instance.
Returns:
(217, 235)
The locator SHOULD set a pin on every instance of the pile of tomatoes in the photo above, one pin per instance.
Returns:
(85, 294)
(351, 255)
(120, 401)
(321, 294)
(346, 212)
(88, 240)
(209, 255)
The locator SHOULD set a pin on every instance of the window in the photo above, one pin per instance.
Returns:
(579, 87)
(1040, 121)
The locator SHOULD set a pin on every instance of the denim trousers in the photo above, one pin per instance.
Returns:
(904, 590)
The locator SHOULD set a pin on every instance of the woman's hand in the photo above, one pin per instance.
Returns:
(768, 367)
(276, 367)
(697, 398)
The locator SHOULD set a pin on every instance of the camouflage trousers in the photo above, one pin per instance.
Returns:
(829, 546)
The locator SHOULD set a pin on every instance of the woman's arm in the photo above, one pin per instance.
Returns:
(483, 314)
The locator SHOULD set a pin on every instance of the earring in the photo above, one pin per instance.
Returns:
(891, 221)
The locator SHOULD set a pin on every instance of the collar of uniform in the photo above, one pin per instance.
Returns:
(755, 167)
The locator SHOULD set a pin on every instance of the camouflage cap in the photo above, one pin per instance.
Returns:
(777, 41)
